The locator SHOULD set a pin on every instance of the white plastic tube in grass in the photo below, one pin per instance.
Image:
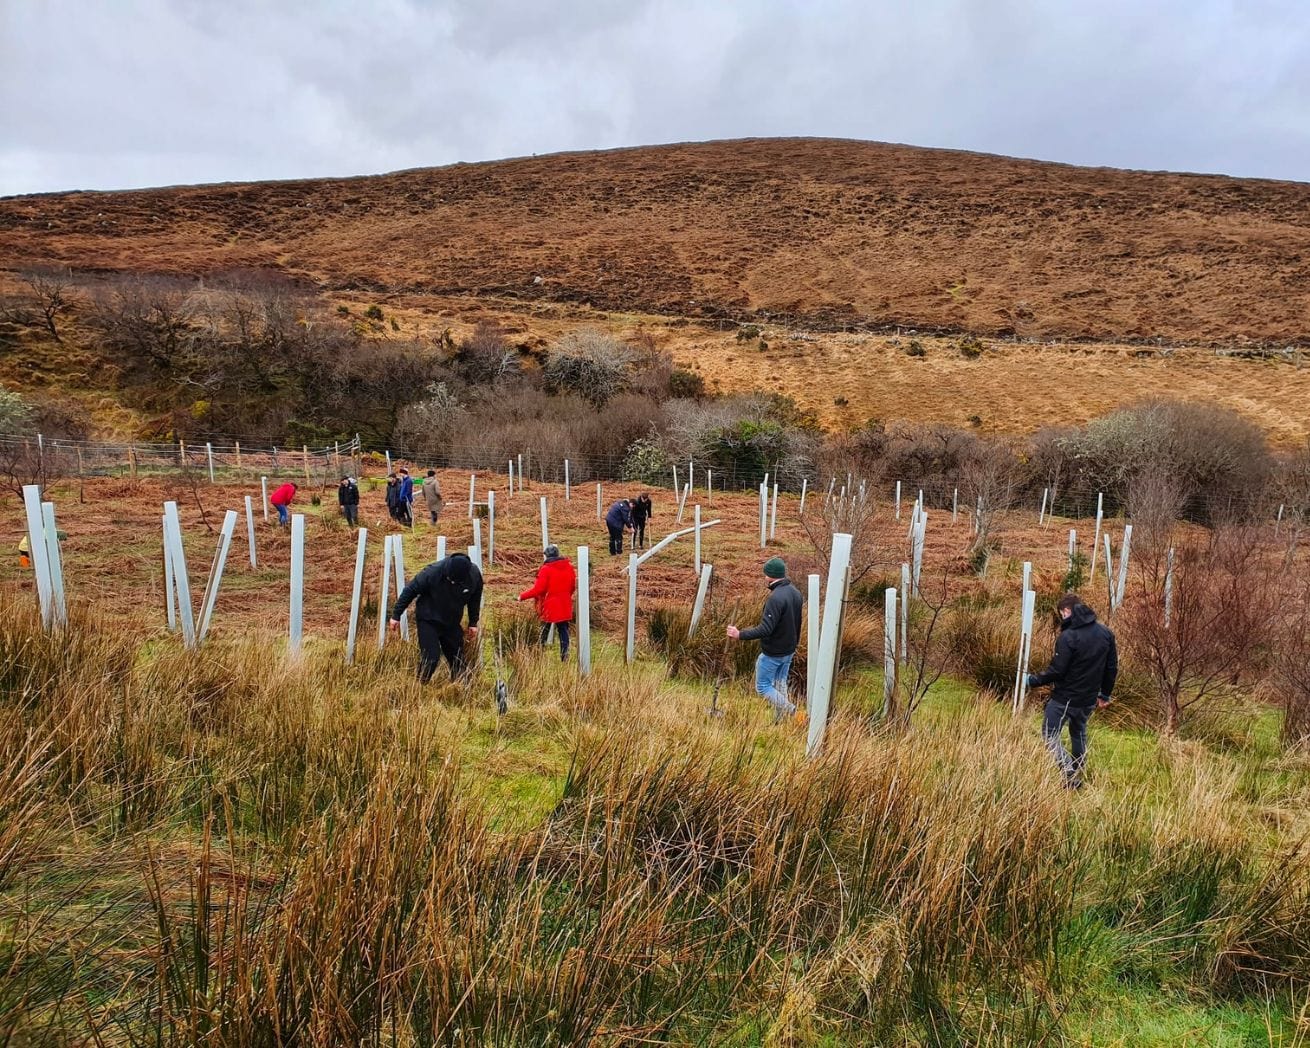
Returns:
(825, 679)
(356, 596)
(297, 616)
(584, 610)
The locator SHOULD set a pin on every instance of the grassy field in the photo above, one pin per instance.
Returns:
(234, 847)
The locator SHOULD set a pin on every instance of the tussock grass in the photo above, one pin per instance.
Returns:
(231, 847)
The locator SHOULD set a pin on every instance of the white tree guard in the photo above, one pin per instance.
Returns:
(297, 621)
(829, 641)
(584, 610)
(356, 597)
(702, 590)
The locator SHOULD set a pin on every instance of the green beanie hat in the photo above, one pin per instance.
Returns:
(775, 568)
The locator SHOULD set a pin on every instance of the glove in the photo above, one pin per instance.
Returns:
(1032, 681)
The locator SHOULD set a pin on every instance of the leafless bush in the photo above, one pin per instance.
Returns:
(1211, 632)
(590, 363)
(1218, 459)
(1290, 675)
(486, 356)
(988, 482)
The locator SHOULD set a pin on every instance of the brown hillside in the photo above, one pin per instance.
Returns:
(825, 233)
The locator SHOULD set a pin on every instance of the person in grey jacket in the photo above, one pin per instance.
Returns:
(432, 495)
(779, 632)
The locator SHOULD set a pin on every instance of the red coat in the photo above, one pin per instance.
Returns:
(553, 591)
(282, 496)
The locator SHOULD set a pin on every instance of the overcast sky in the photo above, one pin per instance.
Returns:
(100, 94)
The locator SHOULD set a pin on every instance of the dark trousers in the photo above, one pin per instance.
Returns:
(562, 630)
(436, 639)
(1057, 714)
(352, 515)
(616, 540)
(639, 533)
(433, 514)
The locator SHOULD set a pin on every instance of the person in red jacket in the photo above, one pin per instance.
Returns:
(281, 501)
(553, 592)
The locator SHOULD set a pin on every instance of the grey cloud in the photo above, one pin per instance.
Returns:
(150, 92)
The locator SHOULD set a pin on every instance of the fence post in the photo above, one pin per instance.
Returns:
(238, 447)
(584, 610)
(829, 640)
(297, 624)
(632, 607)
(955, 505)
(599, 512)
(473, 483)
(898, 500)
(131, 462)
(568, 490)
(304, 456)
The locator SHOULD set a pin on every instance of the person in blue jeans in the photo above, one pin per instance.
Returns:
(1082, 674)
(779, 632)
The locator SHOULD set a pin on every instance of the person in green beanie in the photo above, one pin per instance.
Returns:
(779, 632)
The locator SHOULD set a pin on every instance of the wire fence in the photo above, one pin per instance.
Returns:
(36, 458)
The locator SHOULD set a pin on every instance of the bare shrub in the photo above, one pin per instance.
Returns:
(1223, 598)
(1290, 676)
(1218, 459)
(989, 482)
(486, 356)
(591, 364)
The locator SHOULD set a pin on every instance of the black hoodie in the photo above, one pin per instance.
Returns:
(444, 589)
(1086, 661)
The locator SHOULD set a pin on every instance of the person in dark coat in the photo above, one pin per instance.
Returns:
(405, 499)
(618, 520)
(443, 590)
(393, 496)
(348, 500)
(1082, 674)
(779, 634)
(641, 512)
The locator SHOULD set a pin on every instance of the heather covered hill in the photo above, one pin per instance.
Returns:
(823, 233)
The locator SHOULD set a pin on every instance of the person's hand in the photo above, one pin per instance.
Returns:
(1103, 701)
(473, 631)
(1032, 681)
(734, 633)
(394, 625)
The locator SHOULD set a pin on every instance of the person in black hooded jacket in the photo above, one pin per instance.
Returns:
(444, 589)
(1082, 674)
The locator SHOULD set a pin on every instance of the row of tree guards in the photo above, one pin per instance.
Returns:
(823, 628)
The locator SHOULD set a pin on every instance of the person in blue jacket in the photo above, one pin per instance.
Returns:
(406, 499)
(618, 520)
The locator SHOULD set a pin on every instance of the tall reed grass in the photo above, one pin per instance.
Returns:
(234, 848)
